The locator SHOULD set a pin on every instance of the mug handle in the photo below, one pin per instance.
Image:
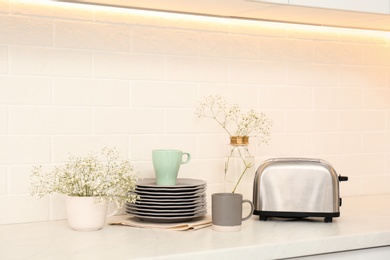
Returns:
(250, 212)
(188, 158)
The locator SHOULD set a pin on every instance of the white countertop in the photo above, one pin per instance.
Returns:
(364, 223)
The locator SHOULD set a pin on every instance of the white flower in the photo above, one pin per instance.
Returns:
(232, 120)
(108, 179)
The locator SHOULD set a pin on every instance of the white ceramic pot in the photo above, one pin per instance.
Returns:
(85, 214)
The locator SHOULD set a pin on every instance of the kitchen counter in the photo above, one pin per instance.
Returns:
(364, 223)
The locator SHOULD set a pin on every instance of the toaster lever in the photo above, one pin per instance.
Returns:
(343, 178)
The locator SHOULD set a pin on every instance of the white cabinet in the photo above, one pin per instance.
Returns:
(361, 14)
(369, 6)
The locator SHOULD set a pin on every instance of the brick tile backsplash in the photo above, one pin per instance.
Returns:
(361, 120)
(89, 36)
(128, 66)
(3, 120)
(312, 74)
(338, 53)
(375, 142)
(376, 98)
(75, 80)
(196, 69)
(377, 55)
(127, 120)
(257, 72)
(15, 90)
(44, 120)
(25, 30)
(358, 76)
(49, 9)
(275, 49)
(24, 149)
(3, 180)
(336, 143)
(141, 146)
(163, 94)
(44, 61)
(274, 97)
(228, 45)
(169, 41)
(90, 92)
(63, 145)
(29, 209)
(337, 98)
(311, 121)
(3, 59)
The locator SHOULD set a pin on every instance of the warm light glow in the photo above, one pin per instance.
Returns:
(109, 9)
(209, 19)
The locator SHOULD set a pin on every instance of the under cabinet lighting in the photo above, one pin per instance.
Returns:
(205, 18)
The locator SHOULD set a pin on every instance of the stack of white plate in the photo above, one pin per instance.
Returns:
(183, 202)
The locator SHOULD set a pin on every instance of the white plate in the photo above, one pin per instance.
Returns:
(181, 183)
(171, 197)
(169, 193)
(171, 200)
(167, 206)
(158, 212)
(168, 219)
(166, 215)
(171, 203)
(162, 189)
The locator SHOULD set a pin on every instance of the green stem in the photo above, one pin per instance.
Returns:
(247, 166)
(242, 174)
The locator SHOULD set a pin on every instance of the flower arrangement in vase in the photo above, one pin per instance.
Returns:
(239, 126)
(97, 180)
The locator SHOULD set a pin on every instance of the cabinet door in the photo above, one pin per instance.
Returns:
(369, 6)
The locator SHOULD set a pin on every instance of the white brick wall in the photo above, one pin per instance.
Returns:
(74, 80)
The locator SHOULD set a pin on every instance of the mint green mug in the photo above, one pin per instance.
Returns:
(166, 164)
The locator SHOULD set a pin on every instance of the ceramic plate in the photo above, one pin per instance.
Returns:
(170, 197)
(181, 183)
(168, 219)
(165, 214)
(171, 203)
(167, 206)
(160, 211)
(175, 194)
(174, 201)
(169, 191)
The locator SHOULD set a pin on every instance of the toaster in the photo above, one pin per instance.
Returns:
(296, 188)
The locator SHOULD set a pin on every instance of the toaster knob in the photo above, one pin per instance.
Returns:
(340, 201)
(343, 178)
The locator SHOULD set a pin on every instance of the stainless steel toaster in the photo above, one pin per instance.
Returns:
(297, 188)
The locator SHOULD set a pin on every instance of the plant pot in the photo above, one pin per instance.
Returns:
(86, 213)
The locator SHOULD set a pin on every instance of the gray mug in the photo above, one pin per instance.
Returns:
(226, 211)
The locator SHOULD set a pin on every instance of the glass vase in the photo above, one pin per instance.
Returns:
(239, 167)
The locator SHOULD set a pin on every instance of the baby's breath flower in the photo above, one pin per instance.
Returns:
(232, 120)
(109, 179)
